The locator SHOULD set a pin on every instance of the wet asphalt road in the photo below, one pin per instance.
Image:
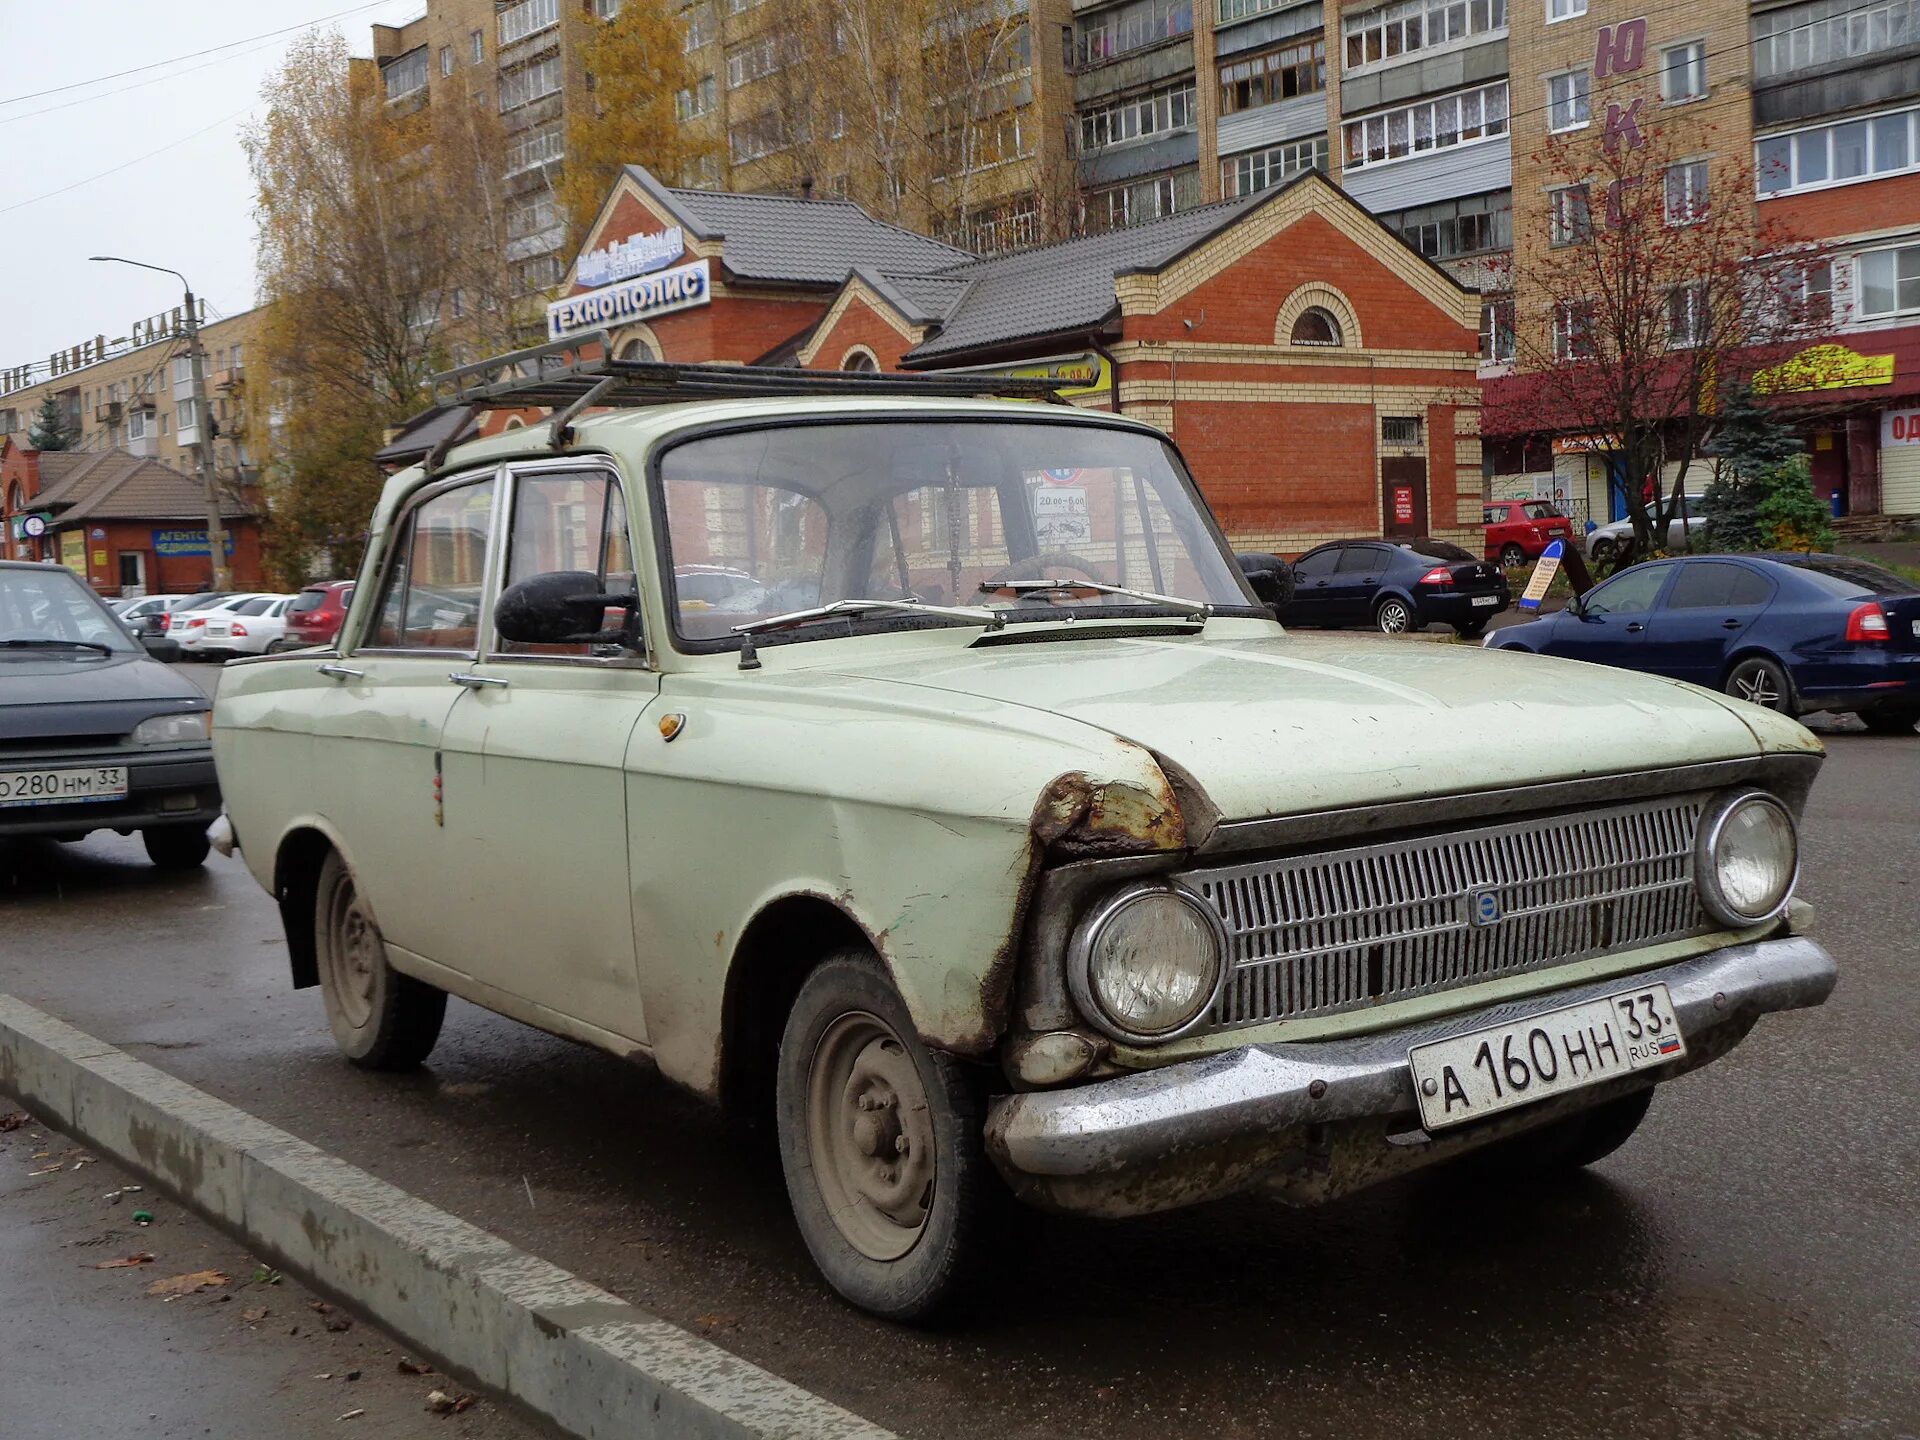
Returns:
(1748, 1266)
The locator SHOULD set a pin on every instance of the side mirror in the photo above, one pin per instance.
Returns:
(160, 647)
(564, 607)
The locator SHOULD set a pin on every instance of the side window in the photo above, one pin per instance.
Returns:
(432, 595)
(1317, 564)
(1630, 594)
(1493, 516)
(568, 520)
(1750, 588)
(1362, 560)
(1702, 585)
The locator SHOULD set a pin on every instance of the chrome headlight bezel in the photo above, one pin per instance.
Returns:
(185, 727)
(1706, 869)
(1086, 937)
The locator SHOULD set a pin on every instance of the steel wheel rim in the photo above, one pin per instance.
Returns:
(870, 1136)
(1393, 618)
(1753, 684)
(352, 956)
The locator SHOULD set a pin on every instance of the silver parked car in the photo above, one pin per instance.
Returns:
(1605, 544)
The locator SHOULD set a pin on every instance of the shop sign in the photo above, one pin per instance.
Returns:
(638, 299)
(1589, 444)
(1824, 367)
(1899, 427)
(185, 543)
(1083, 374)
(73, 550)
(623, 259)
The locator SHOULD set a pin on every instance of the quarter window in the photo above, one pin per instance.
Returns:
(433, 588)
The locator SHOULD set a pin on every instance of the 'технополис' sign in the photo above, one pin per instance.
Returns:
(638, 299)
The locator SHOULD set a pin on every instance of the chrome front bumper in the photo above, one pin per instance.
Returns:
(1317, 1120)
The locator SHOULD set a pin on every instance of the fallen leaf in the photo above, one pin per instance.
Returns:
(144, 1257)
(48, 1171)
(174, 1286)
(353, 1415)
(320, 1307)
(414, 1367)
(465, 1402)
(716, 1322)
(440, 1403)
(254, 1317)
(324, 1375)
(12, 1121)
(339, 1324)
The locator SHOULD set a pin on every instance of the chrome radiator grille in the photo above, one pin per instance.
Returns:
(1316, 934)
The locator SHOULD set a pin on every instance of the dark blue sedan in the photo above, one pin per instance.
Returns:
(1796, 633)
(1395, 586)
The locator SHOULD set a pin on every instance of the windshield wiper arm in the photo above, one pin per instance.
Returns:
(37, 642)
(1197, 609)
(973, 614)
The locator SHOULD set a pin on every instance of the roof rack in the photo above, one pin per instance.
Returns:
(562, 377)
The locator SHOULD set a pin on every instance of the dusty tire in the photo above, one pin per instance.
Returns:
(1890, 721)
(1570, 1144)
(1394, 617)
(1759, 681)
(176, 847)
(880, 1141)
(1512, 557)
(1471, 630)
(381, 1019)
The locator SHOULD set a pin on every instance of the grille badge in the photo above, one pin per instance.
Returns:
(1483, 907)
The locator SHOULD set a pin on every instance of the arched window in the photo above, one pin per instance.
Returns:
(860, 362)
(637, 349)
(1316, 327)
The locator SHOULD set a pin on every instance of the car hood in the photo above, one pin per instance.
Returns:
(46, 697)
(1275, 725)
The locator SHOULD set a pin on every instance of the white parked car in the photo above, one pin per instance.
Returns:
(1605, 544)
(250, 628)
(191, 627)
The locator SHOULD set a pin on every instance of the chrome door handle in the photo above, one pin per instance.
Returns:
(343, 672)
(478, 682)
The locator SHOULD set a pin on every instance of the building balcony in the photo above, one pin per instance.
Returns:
(109, 413)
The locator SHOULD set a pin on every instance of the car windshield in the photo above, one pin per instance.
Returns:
(768, 521)
(46, 611)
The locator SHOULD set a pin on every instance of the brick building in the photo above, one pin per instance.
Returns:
(128, 523)
(1318, 374)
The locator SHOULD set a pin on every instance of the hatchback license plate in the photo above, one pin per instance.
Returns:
(62, 787)
(1486, 599)
(1472, 1076)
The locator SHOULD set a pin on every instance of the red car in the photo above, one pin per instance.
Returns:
(1518, 530)
(316, 612)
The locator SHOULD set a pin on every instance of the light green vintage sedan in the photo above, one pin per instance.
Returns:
(919, 774)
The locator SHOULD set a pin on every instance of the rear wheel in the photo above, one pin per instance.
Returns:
(881, 1143)
(1569, 1144)
(177, 847)
(1759, 681)
(381, 1019)
(1512, 557)
(1393, 617)
(1890, 720)
(1471, 629)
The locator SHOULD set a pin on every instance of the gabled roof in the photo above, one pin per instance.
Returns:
(780, 238)
(114, 485)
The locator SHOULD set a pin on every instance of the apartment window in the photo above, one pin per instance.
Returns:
(1565, 9)
(1838, 154)
(702, 25)
(1131, 27)
(697, 100)
(530, 217)
(1142, 200)
(183, 417)
(446, 60)
(1804, 36)
(1686, 316)
(1450, 120)
(182, 370)
(702, 173)
(1805, 293)
(1314, 326)
(1569, 215)
(476, 46)
(758, 137)
(1889, 282)
(1683, 72)
(406, 74)
(1263, 169)
(139, 424)
(606, 9)
(1567, 100)
(1137, 118)
(740, 7)
(1452, 228)
(1399, 429)
(529, 17)
(1274, 75)
(542, 145)
(1496, 330)
(542, 272)
(755, 60)
(1687, 193)
(994, 141)
(1388, 32)
(527, 83)
(1573, 330)
(1231, 10)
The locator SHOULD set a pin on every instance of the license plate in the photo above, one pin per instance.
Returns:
(216, 629)
(62, 787)
(1486, 600)
(1472, 1076)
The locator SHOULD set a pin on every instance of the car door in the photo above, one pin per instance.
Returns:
(1610, 623)
(532, 773)
(1312, 586)
(1709, 606)
(1355, 582)
(376, 725)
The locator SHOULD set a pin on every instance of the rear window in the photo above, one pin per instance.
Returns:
(1853, 577)
(254, 607)
(1543, 510)
(307, 600)
(1436, 549)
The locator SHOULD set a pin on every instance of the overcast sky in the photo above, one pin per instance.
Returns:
(189, 206)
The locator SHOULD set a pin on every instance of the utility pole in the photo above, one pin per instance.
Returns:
(203, 424)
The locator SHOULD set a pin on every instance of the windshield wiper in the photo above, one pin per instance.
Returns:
(37, 642)
(972, 614)
(1200, 610)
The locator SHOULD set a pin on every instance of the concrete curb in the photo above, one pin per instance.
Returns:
(573, 1354)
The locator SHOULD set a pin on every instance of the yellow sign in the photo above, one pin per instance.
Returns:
(1824, 367)
(73, 550)
(1084, 374)
(100, 559)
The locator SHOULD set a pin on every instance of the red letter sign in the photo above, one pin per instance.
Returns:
(1623, 123)
(1621, 50)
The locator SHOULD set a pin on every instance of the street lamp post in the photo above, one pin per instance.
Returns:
(203, 425)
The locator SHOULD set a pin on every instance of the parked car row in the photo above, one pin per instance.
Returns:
(219, 624)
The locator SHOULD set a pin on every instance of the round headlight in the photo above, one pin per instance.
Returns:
(1147, 965)
(1748, 859)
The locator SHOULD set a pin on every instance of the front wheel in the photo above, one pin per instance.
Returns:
(1604, 551)
(1394, 617)
(1890, 721)
(880, 1140)
(381, 1019)
(1471, 629)
(177, 847)
(1759, 681)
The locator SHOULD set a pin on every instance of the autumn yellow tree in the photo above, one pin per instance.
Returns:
(636, 66)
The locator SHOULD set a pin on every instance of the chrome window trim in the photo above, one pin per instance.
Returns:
(1706, 875)
(1080, 960)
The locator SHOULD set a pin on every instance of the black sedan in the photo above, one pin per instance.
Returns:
(1795, 633)
(95, 733)
(1396, 586)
